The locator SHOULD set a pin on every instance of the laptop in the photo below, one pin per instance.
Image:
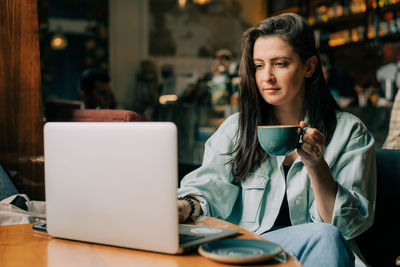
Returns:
(115, 183)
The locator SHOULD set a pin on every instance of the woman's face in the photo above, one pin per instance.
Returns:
(279, 72)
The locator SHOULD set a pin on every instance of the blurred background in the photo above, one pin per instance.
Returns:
(178, 60)
(166, 59)
(165, 56)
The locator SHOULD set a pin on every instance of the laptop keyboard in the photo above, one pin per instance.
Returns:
(183, 238)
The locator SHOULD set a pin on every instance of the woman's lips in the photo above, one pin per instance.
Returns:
(270, 89)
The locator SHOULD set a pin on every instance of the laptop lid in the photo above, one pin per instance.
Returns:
(113, 183)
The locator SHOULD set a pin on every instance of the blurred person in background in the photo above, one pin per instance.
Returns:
(339, 83)
(393, 138)
(146, 89)
(223, 63)
(95, 90)
(223, 70)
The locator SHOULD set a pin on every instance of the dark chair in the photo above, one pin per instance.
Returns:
(104, 115)
(380, 243)
(60, 109)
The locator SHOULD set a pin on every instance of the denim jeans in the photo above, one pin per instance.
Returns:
(314, 244)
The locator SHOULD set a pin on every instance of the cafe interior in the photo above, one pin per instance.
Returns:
(178, 61)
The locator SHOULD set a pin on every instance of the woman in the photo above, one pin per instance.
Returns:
(293, 200)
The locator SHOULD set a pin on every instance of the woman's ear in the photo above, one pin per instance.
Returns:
(311, 63)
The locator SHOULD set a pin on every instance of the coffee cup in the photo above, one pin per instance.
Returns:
(280, 140)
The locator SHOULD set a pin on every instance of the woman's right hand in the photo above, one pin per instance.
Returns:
(183, 210)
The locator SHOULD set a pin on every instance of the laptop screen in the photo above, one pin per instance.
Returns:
(113, 183)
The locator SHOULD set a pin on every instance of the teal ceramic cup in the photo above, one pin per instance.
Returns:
(280, 140)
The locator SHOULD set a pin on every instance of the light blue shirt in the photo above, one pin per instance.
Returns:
(254, 203)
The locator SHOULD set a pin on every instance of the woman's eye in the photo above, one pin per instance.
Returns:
(258, 66)
(281, 64)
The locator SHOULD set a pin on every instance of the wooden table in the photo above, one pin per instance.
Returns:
(21, 246)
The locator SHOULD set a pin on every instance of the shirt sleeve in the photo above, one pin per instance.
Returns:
(354, 169)
(211, 184)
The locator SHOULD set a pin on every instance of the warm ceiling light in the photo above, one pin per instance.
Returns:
(59, 42)
(181, 3)
(201, 2)
(165, 99)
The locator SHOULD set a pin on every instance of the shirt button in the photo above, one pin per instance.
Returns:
(298, 202)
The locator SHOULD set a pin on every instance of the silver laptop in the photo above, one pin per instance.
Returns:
(115, 183)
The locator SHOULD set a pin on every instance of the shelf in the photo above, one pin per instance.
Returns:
(374, 41)
(370, 18)
(393, 37)
(393, 7)
(326, 47)
(352, 21)
(316, 3)
(342, 23)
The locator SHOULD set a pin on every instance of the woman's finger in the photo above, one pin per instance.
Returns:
(307, 148)
(302, 124)
(303, 154)
(315, 134)
(312, 150)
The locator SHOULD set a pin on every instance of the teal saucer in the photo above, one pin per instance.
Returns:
(240, 251)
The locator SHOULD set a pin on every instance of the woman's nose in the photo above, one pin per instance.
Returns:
(269, 76)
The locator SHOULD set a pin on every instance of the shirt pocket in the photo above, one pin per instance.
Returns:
(252, 193)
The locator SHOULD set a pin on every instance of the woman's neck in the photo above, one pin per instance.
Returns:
(289, 115)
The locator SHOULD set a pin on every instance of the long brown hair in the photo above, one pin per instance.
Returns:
(319, 103)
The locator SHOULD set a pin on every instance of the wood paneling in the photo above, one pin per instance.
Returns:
(21, 116)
